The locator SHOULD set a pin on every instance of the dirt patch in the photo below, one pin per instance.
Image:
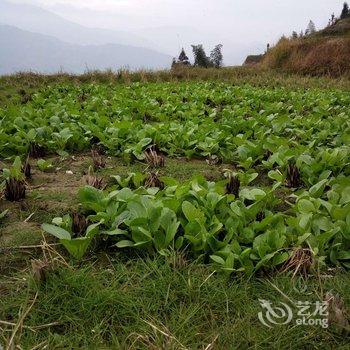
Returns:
(21, 233)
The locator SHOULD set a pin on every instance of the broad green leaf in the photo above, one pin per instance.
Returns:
(92, 198)
(345, 196)
(93, 230)
(344, 255)
(304, 220)
(115, 232)
(191, 212)
(275, 175)
(217, 259)
(252, 194)
(322, 223)
(303, 238)
(77, 247)
(305, 206)
(317, 190)
(125, 244)
(56, 231)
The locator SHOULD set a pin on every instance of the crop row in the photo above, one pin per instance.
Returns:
(238, 234)
(296, 142)
(246, 126)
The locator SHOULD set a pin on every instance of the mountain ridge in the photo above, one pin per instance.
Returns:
(39, 20)
(47, 54)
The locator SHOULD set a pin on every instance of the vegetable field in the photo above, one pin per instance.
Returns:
(243, 181)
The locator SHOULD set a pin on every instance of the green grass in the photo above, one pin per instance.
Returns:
(148, 303)
(180, 169)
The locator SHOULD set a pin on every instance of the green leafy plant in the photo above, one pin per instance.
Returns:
(286, 154)
(133, 180)
(15, 188)
(77, 247)
(44, 165)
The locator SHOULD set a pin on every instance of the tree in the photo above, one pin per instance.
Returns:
(345, 12)
(332, 20)
(216, 56)
(311, 28)
(200, 57)
(295, 35)
(183, 58)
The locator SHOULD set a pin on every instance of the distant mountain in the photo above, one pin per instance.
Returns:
(22, 50)
(168, 39)
(36, 19)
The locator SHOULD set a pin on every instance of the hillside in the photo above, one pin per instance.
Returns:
(341, 27)
(327, 52)
(23, 51)
(253, 60)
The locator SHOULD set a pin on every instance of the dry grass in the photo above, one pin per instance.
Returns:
(300, 262)
(312, 56)
(154, 157)
(258, 76)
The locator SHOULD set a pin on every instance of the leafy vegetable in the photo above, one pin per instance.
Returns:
(44, 165)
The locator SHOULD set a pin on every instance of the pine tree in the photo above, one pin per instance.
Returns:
(295, 35)
(183, 58)
(200, 57)
(216, 56)
(345, 12)
(311, 28)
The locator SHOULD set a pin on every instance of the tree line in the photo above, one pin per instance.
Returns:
(311, 28)
(215, 59)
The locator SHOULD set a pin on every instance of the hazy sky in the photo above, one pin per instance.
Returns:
(256, 18)
(250, 23)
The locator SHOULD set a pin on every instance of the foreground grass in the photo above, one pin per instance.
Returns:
(152, 303)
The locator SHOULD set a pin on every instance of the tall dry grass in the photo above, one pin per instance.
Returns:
(314, 56)
(257, 76)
